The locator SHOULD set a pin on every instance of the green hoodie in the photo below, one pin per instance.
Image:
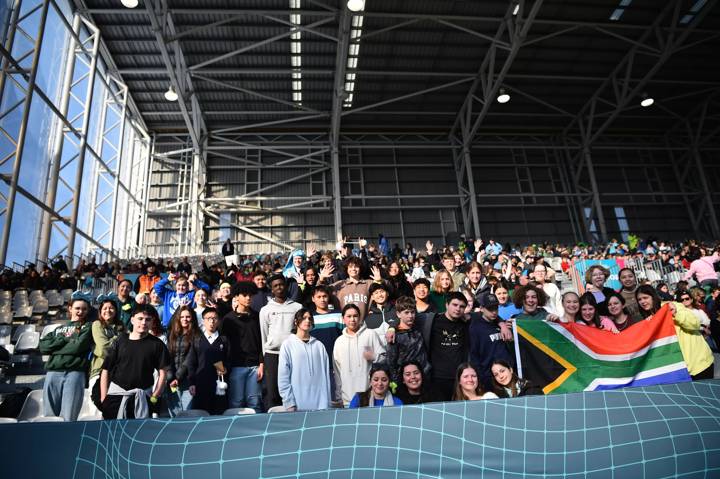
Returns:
(68, 346)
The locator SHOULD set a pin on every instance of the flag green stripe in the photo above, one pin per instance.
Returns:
(593, 369)
(590, 368)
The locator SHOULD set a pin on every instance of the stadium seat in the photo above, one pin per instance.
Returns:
(6, 317)
(88, 407)
(277, 409)
(66, 295)
(20, 293)
(32, 407)
(193, 413)
(21, 329)
(35, 296)
(238, 411)
(47, 419)
(5, 335)
(28, 341)
(40, 307)
(23, 311)
(55, 299)
(90, 417)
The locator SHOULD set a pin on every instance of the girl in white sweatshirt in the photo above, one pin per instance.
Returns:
(353, 355)
(304, 368)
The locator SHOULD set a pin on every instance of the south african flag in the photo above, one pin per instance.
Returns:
(563, 358)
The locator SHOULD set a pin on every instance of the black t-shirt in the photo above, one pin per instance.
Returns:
(131, 362)
(427, 395)
(243, 334)
(448, 346)
(223, 307)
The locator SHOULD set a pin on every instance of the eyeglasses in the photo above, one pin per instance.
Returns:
(686, 299)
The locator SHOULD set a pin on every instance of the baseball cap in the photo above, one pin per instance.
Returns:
(490, 302)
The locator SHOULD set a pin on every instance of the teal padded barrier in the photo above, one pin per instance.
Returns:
(653, 432)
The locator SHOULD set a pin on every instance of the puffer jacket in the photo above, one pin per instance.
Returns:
(408, 346)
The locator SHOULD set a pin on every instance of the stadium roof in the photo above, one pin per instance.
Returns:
(414, 66)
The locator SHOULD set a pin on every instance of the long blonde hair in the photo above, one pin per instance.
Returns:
(436, 282)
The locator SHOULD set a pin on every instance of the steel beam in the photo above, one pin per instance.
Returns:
(618, 85)
(20, 140)
(83, 146)
(336, 116)
(119, 158)
(54, 170)
(621, 90)
(176, 69)
(465, 127)
(252, 232)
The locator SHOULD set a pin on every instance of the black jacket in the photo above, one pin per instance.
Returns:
(408, 346)
(200, 362)
(526, 389)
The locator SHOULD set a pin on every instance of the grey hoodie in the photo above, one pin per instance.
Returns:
(276, 322)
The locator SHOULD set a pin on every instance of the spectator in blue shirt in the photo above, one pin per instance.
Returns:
(183, 294)
(379, 393)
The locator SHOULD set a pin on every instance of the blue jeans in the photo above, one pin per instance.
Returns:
(63, 394)
(244, 390)
(177, 401)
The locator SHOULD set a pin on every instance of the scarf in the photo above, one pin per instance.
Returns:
(388, 401)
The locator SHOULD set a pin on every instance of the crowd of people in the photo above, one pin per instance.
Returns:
(355, 327)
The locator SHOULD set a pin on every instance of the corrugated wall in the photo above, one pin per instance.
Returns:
(411, 195)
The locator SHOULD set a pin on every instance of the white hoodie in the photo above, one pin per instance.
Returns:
(276, 321)
(304, 374)
(350, 367)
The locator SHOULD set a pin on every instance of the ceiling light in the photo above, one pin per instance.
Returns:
(516, 9)
(503, 97)
(356, 5)
(129, 3)
(646, 100)
(170, 94)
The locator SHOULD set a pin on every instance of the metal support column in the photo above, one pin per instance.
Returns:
(337, 200)
(97, 168)
(705, 190)
(20, 144)
(122, 97)
(338, 98)
(83, 142)
(460, 173)
(146, 191)
(9, 42)
(51, 190)
(597, 205)
(472, 203)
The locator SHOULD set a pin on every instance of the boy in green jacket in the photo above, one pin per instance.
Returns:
(69, 347)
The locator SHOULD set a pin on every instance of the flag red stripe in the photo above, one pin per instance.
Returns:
(632, 339)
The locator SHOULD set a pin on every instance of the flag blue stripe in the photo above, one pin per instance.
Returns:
(665, 378)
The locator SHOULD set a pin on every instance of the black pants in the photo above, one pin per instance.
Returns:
(111, 406)
(708, 373)
(210, 402)
(272, 395)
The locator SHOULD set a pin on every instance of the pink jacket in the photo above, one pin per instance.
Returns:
(703, 268)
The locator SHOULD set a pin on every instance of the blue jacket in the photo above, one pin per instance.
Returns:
(486, 346)
(172, 300)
